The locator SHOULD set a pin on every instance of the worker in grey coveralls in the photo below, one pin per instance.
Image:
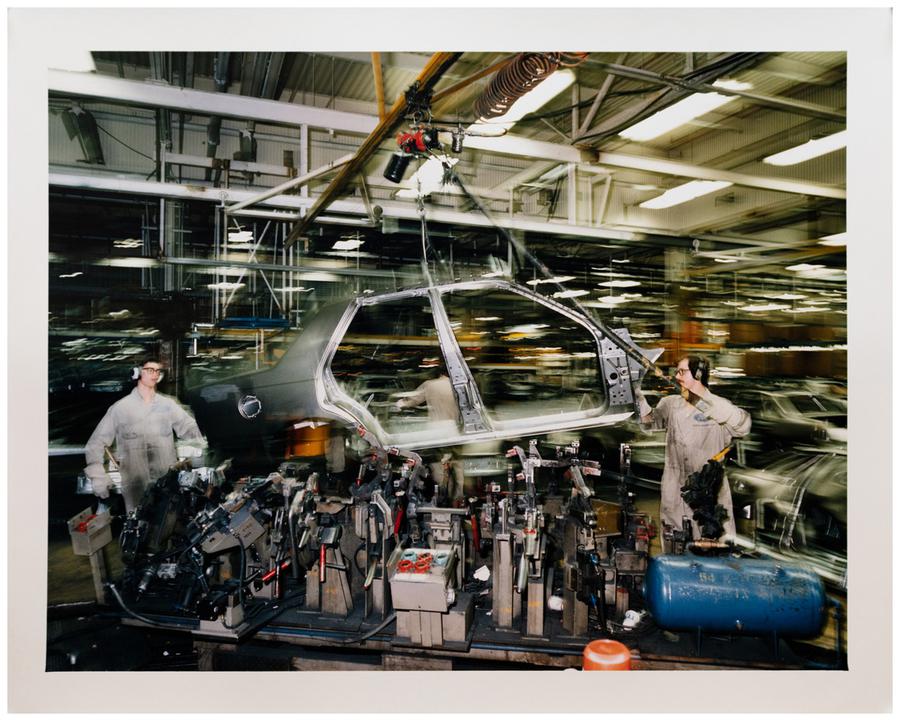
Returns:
(142, 425)
(698, 425)
(438, 395)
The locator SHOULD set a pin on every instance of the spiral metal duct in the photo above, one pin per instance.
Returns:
(514, 80)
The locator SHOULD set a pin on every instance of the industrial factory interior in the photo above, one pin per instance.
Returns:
(530, 359)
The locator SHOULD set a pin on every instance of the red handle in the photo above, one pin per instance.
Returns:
(322, 564)
(268, 577)
(476, 536)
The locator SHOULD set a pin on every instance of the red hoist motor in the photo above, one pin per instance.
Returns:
(411, 143)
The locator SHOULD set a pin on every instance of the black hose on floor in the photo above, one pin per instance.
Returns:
(368, 634)
(139, 617)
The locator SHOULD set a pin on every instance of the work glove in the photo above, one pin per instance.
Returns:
(644, 407)
(191, 452)
(100, 480)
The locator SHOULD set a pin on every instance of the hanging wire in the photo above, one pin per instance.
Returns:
(122, 142)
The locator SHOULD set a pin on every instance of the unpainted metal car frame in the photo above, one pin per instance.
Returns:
(302, 384)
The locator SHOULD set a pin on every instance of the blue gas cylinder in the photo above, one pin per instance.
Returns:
(728, 595)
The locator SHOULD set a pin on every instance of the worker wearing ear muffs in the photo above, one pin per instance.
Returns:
(698, 425)
(142, 425)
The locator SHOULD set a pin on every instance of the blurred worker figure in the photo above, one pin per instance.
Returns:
(438, 395)
(142, 425)
(698, 425)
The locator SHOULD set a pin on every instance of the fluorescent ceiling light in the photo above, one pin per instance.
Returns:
(810, 149)
(832, 274)
(625, 260)
(620, 283)
(488, 317)
(682, 112)
(764, 307)
(836, 239)
(348, 244)
(298, 289)
(725, 260)
(534, 99)
(71, 275)
(527, 328)
(132, 263)
(554, 279)
(570, 293)
(239, 240)
(240, 236)
(787, 296)
(800, 267)
(228, 270)
(127, 243)
(224, 285)
(348, 254)
(683, 193)
(808, 309)
(324, 277)
(429, 178)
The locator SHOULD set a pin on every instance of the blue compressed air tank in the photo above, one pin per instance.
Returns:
(727, 595)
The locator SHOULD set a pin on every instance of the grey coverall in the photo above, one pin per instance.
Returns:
(438, 395)
(145, 447)
(440, 399)
(694, 434)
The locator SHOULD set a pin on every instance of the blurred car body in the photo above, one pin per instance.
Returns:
(794, 507)
(784, 418)
(520, 364)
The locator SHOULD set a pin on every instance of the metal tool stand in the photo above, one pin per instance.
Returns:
(378, 532)
(575, 612)
(328, 583)
(507, 604)
(90, 535)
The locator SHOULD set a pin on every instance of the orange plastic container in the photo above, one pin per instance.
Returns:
(606, 655)
(307, 442)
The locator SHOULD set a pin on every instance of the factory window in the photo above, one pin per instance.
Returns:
(389, 351)
(527, 359)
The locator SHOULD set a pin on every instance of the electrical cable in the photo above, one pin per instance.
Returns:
(139, 617)
(121, 142)
(368, 634)
(631, 352)
(362, 571)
